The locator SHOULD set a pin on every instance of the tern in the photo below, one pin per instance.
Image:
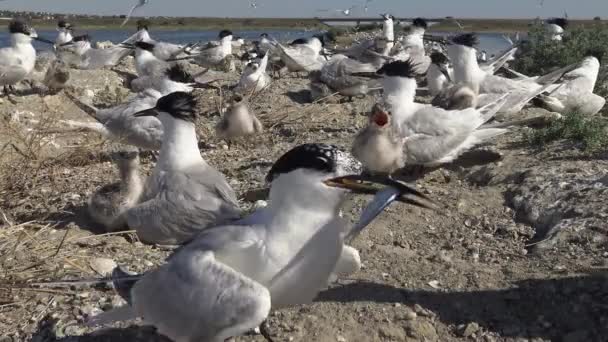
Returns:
(119, 124)
(87, 57)
(173, 79)
(411, 46)
(162, 50)
(576, 91)
(304, 54)
(439, 74)
(278, 256)
(65, 30)
(254, 78)
(388, 30)
(138, 4)
(18, 60)
(467, 72)
(555, 28)
(432, 135)
(184, 195)
(213, 55)
(107, 205)
(238, 121)
(338, 74)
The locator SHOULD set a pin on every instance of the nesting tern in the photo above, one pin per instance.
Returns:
(339, 74)
(65, 30)
(432, 135)
(107, 205)
(18, 60)
(238, 121)
(576, 91)
(90, 58)
(254, 78)
(138, 4)
(378, 146)
(304, 54)
(118, 123)
(213, 55)
(278, 256)
(184, 195)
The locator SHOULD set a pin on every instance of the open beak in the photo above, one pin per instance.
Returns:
(127, 46)
(147, 112)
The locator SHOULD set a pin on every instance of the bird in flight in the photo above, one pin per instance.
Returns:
(138, 4)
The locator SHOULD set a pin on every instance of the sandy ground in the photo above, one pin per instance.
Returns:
(517, 252)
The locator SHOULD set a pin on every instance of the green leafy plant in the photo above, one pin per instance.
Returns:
(592, 132)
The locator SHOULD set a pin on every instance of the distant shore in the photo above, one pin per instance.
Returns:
(164, 23)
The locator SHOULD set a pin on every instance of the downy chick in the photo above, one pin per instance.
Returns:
(238, 121)
(107, 205)
(377, 146)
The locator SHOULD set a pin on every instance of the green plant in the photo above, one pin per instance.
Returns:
(592, 132)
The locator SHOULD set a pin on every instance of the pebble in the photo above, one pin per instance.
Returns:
(469, 329)
(340, 338)
(103, 266)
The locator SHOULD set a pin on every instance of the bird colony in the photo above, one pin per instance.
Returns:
(429, 101)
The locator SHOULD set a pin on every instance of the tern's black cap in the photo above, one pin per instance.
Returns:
(596, 52)
(561, 22)
(82, 38)
(143, 24)
(466, 39)
(419, 22)
(318, 157)
(64, 24)
(19, 26)
(438, 58)
(398, 69)
(178, 73)
(179, 104)
(225, 33)
(145, 46)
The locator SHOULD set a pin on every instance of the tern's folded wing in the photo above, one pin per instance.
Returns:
(185, 205)
(196, 297)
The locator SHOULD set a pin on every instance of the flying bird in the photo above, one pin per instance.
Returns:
(140, 3)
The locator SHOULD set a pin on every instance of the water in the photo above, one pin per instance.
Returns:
(490, 42)
(170, 36)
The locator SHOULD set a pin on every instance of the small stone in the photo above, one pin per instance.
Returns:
(103, 266)
(468, 223)
(434, 284)
(340, 338)
(470, 329)
(259, 204)
(410, 315)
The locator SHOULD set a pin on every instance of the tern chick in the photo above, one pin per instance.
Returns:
(238, 121)
(107, 205)
(378, 146)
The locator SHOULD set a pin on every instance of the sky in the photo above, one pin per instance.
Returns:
(310, 8)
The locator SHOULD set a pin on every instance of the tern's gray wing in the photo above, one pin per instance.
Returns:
(198, 298)
(493, 65)
(100, 58)
(184, 204)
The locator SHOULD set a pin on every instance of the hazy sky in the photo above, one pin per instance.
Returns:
(308, 8)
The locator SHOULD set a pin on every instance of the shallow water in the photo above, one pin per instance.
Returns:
(171, 36)
(490, 42)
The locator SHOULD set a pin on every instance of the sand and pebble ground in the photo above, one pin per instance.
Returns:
(517, 252)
